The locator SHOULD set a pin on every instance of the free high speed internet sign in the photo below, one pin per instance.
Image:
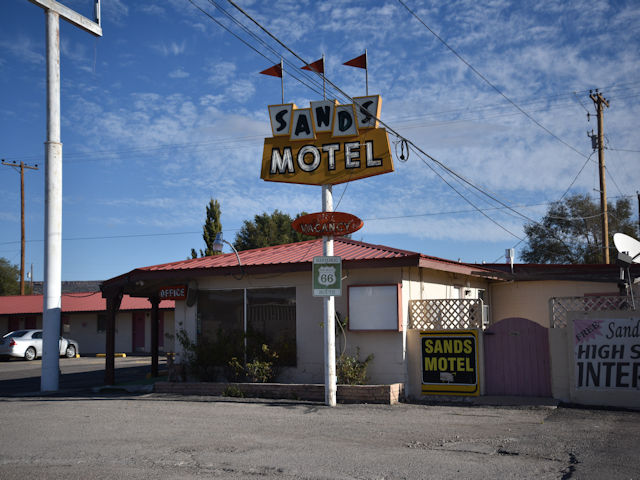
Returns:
(327, 276)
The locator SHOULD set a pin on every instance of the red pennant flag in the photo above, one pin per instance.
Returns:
(360, 62)
(275, 71)
(317, 66)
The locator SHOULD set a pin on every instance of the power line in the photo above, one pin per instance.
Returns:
(71, 157)
(309, 78)
(468, 201)
(418, 149)
(474, 70)
(622, 150)
(577, 175)
(383, 123)
(141, 235)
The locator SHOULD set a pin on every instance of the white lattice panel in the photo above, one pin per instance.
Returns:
(561, 306)
(445, 314)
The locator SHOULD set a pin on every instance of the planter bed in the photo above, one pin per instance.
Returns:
(383, 394)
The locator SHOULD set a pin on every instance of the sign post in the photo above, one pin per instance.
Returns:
(49, 378)
(325, 145)
(330, 387)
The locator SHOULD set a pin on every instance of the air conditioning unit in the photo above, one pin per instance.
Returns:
(485, 316)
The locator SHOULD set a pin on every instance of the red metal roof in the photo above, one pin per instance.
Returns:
(293, 257)
(74, 302)
(301, 252)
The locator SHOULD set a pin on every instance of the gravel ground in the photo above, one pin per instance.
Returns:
(161, 436)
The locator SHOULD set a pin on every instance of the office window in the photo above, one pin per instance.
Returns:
(270, 320)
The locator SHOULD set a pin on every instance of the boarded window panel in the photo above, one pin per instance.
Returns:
(374, 307)
(220, 311)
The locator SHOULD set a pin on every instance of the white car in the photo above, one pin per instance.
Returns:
(27, 344)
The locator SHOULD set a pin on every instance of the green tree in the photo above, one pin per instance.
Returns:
(210, 229)
(571, 231)
(267, 230)
(9, 278)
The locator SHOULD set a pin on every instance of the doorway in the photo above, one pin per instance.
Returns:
(516, 358)
(137, 331)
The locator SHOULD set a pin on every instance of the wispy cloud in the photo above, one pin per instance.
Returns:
(172, 48)
(152, 9)
(115, 11)
(178, 73)
(220, 72)
(74, 51)
(24, 48)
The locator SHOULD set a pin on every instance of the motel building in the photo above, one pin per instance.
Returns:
(437, 328)
(83, 318)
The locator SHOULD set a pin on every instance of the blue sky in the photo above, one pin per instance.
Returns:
(168, 109)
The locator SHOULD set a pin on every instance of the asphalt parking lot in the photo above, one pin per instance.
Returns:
(77, 433)
(19, 377)
(156, 436)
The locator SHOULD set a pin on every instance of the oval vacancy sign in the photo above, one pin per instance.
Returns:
(327, 223)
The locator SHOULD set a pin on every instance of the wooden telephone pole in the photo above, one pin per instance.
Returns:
(600, 102)
(22, 166)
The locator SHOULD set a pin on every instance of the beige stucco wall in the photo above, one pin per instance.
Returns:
(413, 387)
(389, 347)
(559, 357)
(530, 300)
(387, 366)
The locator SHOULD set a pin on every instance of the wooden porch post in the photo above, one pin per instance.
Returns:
(155, 303)
(113, 305)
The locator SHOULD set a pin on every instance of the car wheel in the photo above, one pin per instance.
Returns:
(70, 352)
(30, 354)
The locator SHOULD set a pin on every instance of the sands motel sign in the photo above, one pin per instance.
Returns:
(326, 144)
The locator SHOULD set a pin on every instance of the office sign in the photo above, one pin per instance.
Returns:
(327, 143)
(450, 362)
(176, 292)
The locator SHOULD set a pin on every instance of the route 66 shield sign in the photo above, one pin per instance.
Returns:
(327, 276)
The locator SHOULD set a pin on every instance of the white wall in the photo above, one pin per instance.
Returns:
(84, 329)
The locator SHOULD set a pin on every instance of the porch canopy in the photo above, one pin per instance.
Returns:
(293, 257)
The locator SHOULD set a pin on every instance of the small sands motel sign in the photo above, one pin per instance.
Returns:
(326, 144)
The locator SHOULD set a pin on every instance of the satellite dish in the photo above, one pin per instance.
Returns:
(627, 245)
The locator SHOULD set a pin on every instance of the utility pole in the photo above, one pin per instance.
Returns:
(52, 301)
(638, 194)
(600, 102)
(22, 240)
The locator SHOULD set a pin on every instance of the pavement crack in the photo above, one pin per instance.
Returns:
(568, 472)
